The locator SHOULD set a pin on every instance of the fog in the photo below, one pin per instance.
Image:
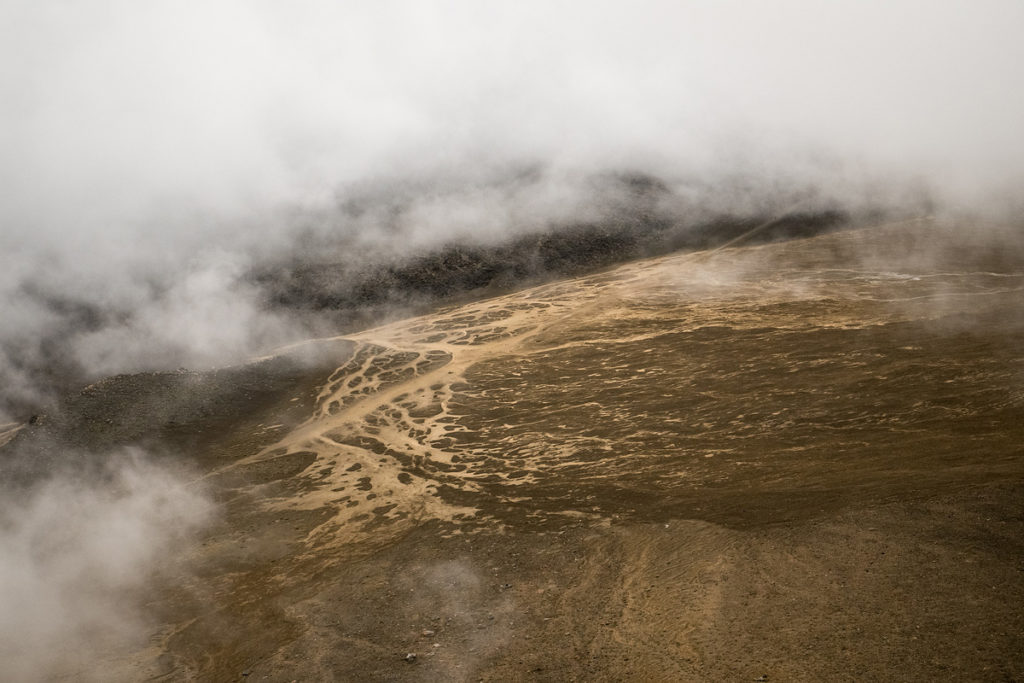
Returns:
(76, 552)
(152, 153)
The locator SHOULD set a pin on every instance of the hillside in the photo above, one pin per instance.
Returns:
(792, 461)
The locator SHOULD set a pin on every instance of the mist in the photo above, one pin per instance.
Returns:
(154, 154)
(76, 551)
(171, 170)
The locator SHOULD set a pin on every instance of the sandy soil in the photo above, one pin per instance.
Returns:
(798, 461)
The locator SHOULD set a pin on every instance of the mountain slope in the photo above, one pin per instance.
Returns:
(800, 460)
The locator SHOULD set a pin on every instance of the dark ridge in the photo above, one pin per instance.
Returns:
(358, 295)
(336, 288)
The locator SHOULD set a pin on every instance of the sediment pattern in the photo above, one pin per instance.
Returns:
(670, 383)
(799, 461)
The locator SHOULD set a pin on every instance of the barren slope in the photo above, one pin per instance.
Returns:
(801, 460)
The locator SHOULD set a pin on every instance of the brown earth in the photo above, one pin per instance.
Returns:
(798, 461)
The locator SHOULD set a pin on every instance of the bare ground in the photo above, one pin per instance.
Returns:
(799, 461)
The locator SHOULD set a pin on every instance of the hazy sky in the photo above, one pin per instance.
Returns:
(116, 111)
(147, 147)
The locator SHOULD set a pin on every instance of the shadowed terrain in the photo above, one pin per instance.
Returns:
(792, 461)
(339, 277)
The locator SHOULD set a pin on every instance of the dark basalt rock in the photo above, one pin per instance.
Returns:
(360, 295)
